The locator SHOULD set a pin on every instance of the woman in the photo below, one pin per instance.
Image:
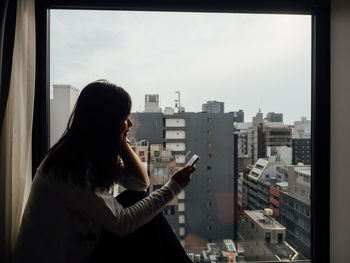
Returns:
(70, 205)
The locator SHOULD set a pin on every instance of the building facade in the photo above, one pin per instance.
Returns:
(208, 203)
(265, 238)
(295, 209)
(301, 148)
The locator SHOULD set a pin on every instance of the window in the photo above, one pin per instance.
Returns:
(162, 172)
(158, 171)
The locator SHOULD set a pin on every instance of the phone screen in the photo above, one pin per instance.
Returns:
(193, 160)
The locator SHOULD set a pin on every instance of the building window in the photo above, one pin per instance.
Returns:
(208, 168)
(182, 231)
(209, 120)
(209, 132)
(169, 210)
(141, 153)
(181, 207)
(209, 144)
(159, 171)
(209, 155)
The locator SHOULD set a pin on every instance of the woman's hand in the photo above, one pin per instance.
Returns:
(183, 176)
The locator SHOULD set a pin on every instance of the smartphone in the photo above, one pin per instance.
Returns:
(193, 160)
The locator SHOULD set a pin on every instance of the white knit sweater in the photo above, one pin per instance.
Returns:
(62, 222)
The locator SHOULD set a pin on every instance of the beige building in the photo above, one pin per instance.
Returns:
(263, 238)
(299, 180)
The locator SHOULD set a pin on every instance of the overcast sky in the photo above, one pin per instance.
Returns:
(248, 61)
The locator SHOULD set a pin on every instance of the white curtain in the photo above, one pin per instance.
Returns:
(16, 133)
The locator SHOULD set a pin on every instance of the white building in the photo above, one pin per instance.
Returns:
(152, 103)
(61, 106)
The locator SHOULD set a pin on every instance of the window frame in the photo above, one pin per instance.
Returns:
(320, 86)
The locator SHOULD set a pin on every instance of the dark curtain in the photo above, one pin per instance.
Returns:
(7, 35)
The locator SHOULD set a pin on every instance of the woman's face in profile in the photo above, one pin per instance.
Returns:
(126, 124)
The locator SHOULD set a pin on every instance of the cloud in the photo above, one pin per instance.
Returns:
(246, 60)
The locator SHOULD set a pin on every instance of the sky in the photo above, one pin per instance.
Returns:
(248, 61)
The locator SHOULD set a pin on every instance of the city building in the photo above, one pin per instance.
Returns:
(275, 203)
(209, 204)
(239, 116)
(61, 107)
(152, 103)
(303, 121)
(263, 174)
(295, 209)
(161, 165)
(265, 134)
(301, 151)
(264, 239)
(241, 129)
(302, 129)
(280, 153)
(274, 117)
(213, 106)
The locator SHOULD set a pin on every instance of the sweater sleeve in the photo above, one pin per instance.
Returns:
(123, 221)
(130, 182)
(104, 208)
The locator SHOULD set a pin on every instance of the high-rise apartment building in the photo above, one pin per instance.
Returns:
(213, 106)
(61, 107)
(208, 204)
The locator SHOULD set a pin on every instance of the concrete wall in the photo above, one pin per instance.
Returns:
(340, 135)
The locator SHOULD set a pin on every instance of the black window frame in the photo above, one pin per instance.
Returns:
(320, 97)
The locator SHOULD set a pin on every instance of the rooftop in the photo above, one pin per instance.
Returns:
(265, 222)
(303, 170)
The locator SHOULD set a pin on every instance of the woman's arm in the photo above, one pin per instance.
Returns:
(132, 163)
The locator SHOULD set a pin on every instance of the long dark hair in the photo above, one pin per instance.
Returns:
(91, 143)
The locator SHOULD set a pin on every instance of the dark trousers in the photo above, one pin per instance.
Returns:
(153, 242)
